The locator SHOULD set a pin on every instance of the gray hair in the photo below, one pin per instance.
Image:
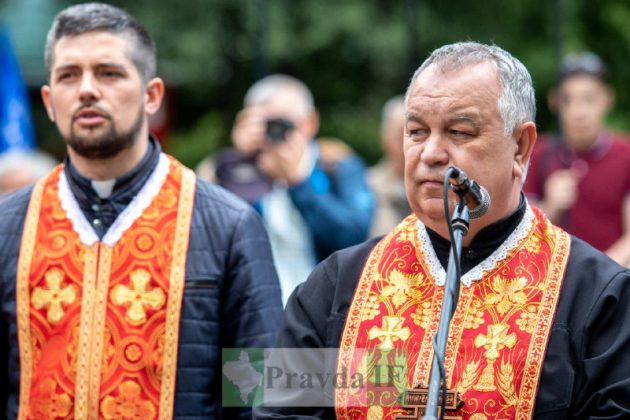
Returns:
(517, 103)
(90, 17)
(268, 87)
(390, 107)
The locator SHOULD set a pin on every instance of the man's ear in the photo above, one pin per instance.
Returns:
(525, 137)
(153, 95)
(45, 92)
(311, 124)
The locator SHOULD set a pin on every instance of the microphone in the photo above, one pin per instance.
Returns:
(477, 197)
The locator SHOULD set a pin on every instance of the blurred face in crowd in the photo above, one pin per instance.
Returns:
(393, 134)
(288, 104)
(453, 119)
(582, 102)
(96, 96)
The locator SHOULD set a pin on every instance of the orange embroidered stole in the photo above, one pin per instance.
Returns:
(498, 334)
(98, 325)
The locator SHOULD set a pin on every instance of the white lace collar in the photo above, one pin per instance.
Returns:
(125, 219)
(477, 272)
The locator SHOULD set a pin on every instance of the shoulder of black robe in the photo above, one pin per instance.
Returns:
(586, 371)
(315, 315)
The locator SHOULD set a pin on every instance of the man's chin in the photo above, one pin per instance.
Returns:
(431, 211)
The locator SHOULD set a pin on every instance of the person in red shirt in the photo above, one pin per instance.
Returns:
(582, 178)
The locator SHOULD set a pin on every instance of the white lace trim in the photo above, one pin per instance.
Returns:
(73, 211)
(125, 219)
(476, 273)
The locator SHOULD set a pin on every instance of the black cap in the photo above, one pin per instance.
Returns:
(587, 63)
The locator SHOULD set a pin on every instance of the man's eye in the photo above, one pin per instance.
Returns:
(459, 133)
(417, 132)
(111, 74)
(64, 76)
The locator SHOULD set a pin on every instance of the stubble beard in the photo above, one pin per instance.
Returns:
(106, 145)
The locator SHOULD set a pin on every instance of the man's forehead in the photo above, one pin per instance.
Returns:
(477, 80)
(95, 44)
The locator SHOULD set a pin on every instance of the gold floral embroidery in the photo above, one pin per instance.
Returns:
(48, 404)
(158, 356)
(528, 319)
(407, 233)
(507, 293)
(422, 315)
(375, 413)
(471, 372)
(474, 315)
(533, 244)
(401, 287)
(505, 382)
(495, 340)
(54, 298)
(138, 297)
(391, 330)
(128, 404)
(372, 308)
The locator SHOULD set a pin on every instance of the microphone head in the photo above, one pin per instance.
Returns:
(483, 205)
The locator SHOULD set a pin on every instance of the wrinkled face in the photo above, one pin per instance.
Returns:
(453, 119)
(583, 102)
(96, 96)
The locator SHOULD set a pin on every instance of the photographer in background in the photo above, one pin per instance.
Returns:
(312, 195)
(581, 178)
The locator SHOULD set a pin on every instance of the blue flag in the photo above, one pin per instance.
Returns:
(16, 129)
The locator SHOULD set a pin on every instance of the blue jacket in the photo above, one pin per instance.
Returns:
(231, 299)
(335, 203)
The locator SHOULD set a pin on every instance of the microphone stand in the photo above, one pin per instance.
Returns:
(460, 222)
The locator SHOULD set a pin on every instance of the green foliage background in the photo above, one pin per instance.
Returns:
(354, 54)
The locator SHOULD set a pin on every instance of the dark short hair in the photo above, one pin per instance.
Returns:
(587, 63)
(90, 17)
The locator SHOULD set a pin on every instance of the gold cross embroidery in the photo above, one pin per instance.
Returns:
(54, 297)
(138, 297)
(496, 339)
(391, 330)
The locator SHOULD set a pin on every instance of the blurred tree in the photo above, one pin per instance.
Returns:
(355, 54)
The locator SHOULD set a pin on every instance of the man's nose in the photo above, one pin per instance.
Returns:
(434, 151)
(88, 90)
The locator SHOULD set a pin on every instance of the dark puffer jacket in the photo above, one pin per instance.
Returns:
(231, 299)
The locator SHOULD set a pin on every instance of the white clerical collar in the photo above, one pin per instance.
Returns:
(477, 272)
(125, 219)
(103, 188)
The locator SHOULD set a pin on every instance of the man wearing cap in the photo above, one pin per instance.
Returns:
(581, 179)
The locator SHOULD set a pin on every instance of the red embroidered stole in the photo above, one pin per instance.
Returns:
(498, 334)
(98, 325)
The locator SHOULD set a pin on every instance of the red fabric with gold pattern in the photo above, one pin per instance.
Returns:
(498, 335)
(98, 315)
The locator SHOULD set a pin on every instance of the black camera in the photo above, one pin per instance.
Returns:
(277, 129)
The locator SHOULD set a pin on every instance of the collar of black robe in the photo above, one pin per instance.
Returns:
(483, 244)
(126, 187)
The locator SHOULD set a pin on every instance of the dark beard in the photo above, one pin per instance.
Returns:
(109, 144)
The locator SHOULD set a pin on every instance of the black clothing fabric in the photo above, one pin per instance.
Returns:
(586, 371)
(102, 212)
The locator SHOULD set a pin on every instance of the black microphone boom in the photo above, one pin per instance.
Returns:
(477, 197)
